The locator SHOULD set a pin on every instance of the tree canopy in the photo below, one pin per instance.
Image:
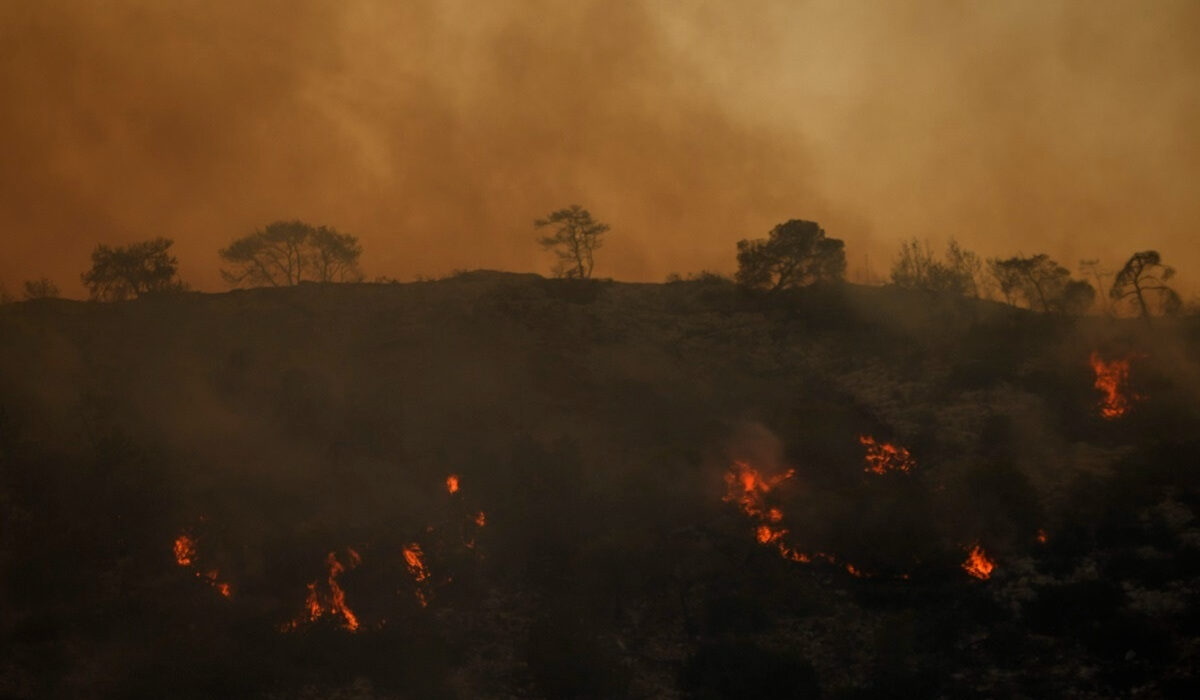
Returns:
(574, 241)
(795, 253)
(41, 288)
(123, 272)
(1041, 284)
(290, 252)
(1143, 281)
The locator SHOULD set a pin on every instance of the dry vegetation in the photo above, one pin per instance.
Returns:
(593, 423)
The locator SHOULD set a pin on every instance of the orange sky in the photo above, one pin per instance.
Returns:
(437, 130)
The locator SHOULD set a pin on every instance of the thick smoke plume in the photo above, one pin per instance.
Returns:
(436, 131)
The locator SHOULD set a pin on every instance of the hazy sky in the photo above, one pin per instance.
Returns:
(437, 130)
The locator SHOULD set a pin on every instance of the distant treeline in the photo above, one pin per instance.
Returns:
(796, 253)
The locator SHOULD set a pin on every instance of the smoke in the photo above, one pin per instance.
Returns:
(436, 131)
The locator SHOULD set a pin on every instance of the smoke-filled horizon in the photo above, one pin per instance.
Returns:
(437, 130)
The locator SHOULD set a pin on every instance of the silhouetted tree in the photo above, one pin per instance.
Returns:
(1076, 297)
(42, 288)
(286, 253)
(1143, 279)
(575, 240)
(916, 268)
(1042, 284)
(133, 270)
(794, 254)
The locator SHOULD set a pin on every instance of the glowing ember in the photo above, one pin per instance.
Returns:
(414, 558)
(978, 564)
(337, 597)
(1112, 378)
(1041, 537)
(748, 488)
(185, 550)
(332, 603)
(883, 457)
(185, 555)
(452, 483)
(480, 519)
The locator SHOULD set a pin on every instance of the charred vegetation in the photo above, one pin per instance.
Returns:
(500, 485)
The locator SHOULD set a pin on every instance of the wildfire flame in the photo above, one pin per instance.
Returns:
(185, 556)
(332, 603)
(480, 519)
(414, 558)
(185, 550)
(452, 483)
(748, 488)
(1111, 378)
(978, 564)
(884, 457)
(1041, 536)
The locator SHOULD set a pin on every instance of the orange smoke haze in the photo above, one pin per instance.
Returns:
(437, 130)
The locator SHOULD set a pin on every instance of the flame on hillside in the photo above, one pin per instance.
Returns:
(883, 457)
(452, 483)
(185, 550)
(331, 601)
(1112, 379)
(414, 559)
(748, 488)
(185, 556)
(979, 564)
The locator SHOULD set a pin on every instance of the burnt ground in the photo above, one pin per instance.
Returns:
(592, 424)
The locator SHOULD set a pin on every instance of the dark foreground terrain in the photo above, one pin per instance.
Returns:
(247, 495)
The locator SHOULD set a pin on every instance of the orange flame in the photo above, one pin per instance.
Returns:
(884, 457)
(414, 558)
(978, 564)
(337, 597)
(185, 555)
(1041, 536)
(480, 519)
(317, 606)
(1111, 378)
(748, 488)
(452, 483)
(185, 550)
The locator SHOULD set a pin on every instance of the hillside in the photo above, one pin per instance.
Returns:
(248, 495)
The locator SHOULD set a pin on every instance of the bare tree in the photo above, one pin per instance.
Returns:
(917, 268)
(795, 253)
(122, 272)
(1143, 280)
(575, 240)
(287, 253)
